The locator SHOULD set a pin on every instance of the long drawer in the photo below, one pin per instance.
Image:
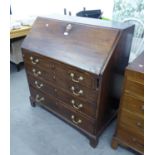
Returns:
(133, 104)
(62, 111)
(130, 138)
(62, 71)
(134, 122)
(86, 108)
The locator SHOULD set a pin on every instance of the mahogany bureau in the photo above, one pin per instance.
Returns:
(130, 123)
(75, 66)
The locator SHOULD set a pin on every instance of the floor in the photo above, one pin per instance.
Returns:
(34, 131)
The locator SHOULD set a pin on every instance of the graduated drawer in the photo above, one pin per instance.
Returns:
(66, 74)
(58, 108)
(134, 88)
(37, 60)
(61, 71)
(131, 139)
(78, 91)
(42, 86)
(86, 108)
(133, 104)
(134, 122)
(40, 73)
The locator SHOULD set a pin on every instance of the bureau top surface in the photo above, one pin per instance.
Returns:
(137, 65)
(87, 46)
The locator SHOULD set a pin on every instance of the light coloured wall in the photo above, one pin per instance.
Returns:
(44, 7)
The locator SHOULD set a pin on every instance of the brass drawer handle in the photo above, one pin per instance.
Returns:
(76, 106)
(39, 99)
(68, 29)
(74, 80)
(35, 73)
(80, 92)
(76, 121)
(38, 85)
(34, 61)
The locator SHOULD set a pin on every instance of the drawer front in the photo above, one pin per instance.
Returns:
(61, 110)
(134, 88)
(77, 77)
(60, 71)
(42, 86)
(131, 139)
(86, 108)
(134, 122)
(37, 60)
(40, 73)
(79, 91)
(133, 104)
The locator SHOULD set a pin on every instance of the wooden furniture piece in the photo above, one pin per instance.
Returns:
(17, 37)
(72, 64)
(23, 31)
(130, 123)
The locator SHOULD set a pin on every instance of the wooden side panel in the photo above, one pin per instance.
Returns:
(112, 79)
(130, 122)
(120, 61)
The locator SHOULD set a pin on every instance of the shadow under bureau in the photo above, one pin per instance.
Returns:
(75, 68)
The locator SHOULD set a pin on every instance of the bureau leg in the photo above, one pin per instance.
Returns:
(93, 142)
(33, 104)
(114, 143)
